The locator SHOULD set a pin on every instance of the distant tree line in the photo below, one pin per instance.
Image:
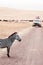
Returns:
(5, 20)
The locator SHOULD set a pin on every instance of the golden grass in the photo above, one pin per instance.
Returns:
(7, 28)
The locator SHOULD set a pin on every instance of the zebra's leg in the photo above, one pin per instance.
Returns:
(8, 50)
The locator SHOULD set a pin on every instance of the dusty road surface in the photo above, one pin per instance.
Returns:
(28, 52)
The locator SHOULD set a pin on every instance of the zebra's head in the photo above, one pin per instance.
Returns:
(15, 36)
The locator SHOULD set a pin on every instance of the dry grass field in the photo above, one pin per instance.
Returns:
(7, 28)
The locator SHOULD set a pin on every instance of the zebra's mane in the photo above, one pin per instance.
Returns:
(12, 34)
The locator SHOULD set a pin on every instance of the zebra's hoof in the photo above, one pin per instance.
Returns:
(8, 55)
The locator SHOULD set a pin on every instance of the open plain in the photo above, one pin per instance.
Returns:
(27, 52)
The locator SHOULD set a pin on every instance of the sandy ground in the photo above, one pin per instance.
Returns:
(28, 52)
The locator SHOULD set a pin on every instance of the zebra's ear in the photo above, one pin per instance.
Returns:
(15, 32)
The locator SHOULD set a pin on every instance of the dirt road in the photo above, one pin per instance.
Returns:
(28, 52)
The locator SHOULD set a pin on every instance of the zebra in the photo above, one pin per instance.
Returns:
(7, 42)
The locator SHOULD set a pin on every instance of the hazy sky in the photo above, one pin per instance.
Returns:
(23, 4)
